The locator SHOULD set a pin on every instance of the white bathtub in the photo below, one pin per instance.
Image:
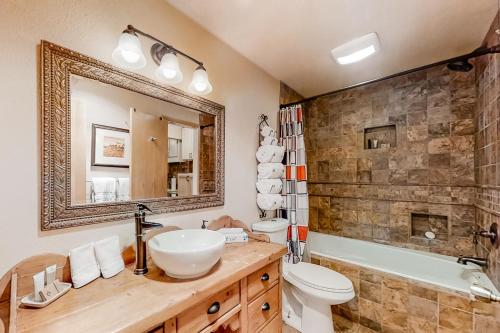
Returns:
(436, 269)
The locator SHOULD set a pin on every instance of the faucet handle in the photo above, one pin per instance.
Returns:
(142, 207)
(204, 224)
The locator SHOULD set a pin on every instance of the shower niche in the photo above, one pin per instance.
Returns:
(380, 137)
(422, 223)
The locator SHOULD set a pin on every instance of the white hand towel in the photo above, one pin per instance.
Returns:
(269, 201)
(270, 154)
(270, 170)
(123, 189)
(267, 131)
(104, 189)
(109, 257)
(83, 264)
(269, 140)
(269, 186)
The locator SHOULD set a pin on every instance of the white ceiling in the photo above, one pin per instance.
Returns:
(292, 39)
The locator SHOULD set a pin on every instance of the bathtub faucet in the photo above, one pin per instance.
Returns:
(483, 262)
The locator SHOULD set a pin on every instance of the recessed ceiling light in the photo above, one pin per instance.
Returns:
(356, 49)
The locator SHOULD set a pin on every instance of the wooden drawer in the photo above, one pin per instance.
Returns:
(262, 279)
(275, 326)
(198, 317)
(263, 309)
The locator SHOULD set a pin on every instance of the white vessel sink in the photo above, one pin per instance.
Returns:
(186, 254)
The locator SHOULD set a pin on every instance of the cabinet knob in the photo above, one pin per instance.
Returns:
(266, 307)
(264, 277)
(214, 308)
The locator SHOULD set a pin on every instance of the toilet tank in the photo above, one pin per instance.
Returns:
(276, 229)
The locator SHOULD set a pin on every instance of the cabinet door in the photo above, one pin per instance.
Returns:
(187, 143)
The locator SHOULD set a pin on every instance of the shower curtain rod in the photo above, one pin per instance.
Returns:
(476, 53)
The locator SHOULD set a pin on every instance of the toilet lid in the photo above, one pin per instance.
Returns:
(272, 225)
(318, 277)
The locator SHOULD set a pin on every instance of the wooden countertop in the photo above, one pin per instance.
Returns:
(131, 303)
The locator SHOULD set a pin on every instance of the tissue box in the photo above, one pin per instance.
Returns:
(236, 238)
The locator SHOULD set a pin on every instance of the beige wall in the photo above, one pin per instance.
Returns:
(92, 27)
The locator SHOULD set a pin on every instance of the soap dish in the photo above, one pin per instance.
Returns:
(29, 300)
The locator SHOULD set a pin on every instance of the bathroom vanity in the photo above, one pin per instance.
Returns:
(242, 293)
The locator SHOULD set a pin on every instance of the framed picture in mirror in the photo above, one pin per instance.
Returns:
(110, 146)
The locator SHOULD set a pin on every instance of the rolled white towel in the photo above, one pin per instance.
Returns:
(270, 170)
(83, 265)
(267, 131)
(269, 140)
(269, 201)
(109, 256)
(270, 154)
(269, 186)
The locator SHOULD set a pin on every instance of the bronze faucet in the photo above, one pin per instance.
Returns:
(141, 226)
(483, 262)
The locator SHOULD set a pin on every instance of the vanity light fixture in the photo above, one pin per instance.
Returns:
(128, 54)
(356, 49)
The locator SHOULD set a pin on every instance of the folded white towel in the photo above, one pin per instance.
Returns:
(109, 257)
(83, 264)
(269, 186)
(104, 189)
(270, 154)
(269, 201)
(267, 131)
(123, 189)
(269, 140)
(270, 170)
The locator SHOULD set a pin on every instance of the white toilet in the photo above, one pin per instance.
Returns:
(309, 290)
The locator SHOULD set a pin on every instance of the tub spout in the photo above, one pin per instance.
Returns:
(483, 262)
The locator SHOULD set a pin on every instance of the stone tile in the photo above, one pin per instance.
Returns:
(394, 321)
(370, 276)
(422, 308)
(395, 300)
(370, 291)
(455, 301)
(420, 325)
(439, 130)
(485, 325)
(423, 292)
(343, 325)
(455, 319)
(370, 314)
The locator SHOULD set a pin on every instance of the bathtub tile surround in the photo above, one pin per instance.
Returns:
(487, 164)
(372, 193)
(389, 303)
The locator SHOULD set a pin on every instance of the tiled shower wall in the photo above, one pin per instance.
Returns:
(487, 164)
(371, 193)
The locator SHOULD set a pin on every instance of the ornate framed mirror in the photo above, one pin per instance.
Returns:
(111, 138)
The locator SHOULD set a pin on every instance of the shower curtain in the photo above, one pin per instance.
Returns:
(295, 203)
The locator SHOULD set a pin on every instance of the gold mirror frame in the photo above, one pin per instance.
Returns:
(57, 65)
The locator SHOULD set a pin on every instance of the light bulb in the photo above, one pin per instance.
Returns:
(130, 56)
(199, 84)
(128, 53)
(169, 70)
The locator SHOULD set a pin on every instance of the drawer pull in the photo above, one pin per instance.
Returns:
(214, 308)
(266, 307)
(264, 277)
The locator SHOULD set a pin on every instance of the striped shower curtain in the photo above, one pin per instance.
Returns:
(296, 204)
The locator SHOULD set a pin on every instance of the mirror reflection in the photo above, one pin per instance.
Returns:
(126, 146)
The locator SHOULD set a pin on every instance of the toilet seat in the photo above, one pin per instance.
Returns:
(320, 278)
